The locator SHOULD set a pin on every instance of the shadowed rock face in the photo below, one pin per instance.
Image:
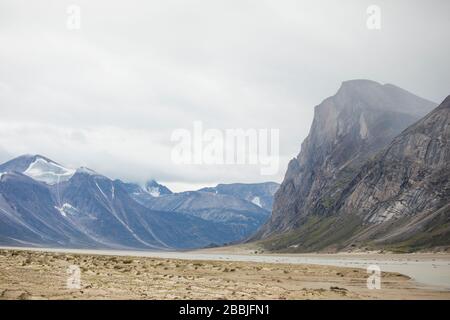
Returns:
(335, 174)
(399, 176)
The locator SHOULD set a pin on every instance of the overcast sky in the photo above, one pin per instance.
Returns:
(109, 95)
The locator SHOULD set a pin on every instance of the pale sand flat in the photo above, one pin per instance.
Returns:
(43, 275)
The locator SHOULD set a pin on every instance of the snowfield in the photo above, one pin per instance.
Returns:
(48, 172)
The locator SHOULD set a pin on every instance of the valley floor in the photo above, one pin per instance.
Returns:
(26, 274)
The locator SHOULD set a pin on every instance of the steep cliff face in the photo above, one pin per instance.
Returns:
(403, 195)
(348, 128)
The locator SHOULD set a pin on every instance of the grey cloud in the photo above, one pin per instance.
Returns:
(109, 95)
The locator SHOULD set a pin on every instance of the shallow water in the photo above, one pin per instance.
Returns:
(433, 273)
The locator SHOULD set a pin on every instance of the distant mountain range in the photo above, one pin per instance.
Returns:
(260, 194)
(374, 172)
(43, 203)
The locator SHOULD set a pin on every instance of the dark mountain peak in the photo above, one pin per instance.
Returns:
(155, 189)
(152, 183)
(445, 104)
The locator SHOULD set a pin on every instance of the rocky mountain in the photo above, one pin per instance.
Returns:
(332, 196)
(42, 203)
(260, 194)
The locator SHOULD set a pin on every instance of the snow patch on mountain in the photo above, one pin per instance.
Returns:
(48, 172)
(257, 201)
(154, 192)
(67, 209)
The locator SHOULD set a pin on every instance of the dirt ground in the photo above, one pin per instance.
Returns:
(44, 275)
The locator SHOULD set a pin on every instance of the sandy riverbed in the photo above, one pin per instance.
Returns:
(43, 275)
